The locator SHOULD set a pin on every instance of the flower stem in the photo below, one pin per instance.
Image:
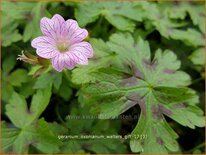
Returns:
(197, 80)
(196, 147)
(59, 116)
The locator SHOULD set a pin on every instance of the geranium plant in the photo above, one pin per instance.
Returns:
(107, 77)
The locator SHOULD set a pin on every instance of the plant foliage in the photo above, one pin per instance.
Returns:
(148, 61)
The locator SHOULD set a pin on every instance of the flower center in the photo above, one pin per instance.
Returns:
(62, 47)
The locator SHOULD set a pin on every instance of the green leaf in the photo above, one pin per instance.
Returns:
(16, 10)
(18, 77)
(198, 57)
(180, 10)
(84, 124)
(102, 56)
(27, 13)
(47, 141)
(159, 16)
(27, 89)
(10, 34)
(65, 92)
(17, 140)
(10, 136)
(39, 102)
(155, 84)
(170, 94)
(175, 10)
(43, 81)
(197, 14)
(13, 12)
(189, 37)
(107, 146)
(8, 64)
(197, 151)
(30, 130)
(48, 78)
(57, 80)
(113, 12)
(37, 12)
(8, 91)
(17, 103)
(26, 116)
(157, 134)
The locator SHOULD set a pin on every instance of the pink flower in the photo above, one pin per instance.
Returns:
(62, 42)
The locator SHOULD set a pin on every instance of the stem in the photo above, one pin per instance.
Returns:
(149, 31)
(196, 147)
(59, 117)
(100, 21)
(17, 47)
(99, 25)
(196, 80)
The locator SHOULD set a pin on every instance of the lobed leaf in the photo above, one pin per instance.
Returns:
(113, 12)
(28, 129)
(155, 84)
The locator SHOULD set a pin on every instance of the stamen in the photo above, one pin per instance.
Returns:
(62, 46)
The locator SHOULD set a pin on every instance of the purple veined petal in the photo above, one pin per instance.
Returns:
(59, 25)
(75, 33)
(58, 63)
(63, 61)
(48, 28)
(71, 26)
(69, 63)
(47, 53)
(78, 36)
(78, 57)
(43, 42)
(83, 47)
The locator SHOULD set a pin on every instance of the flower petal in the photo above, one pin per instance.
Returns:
(78, 57)
(71, 26)
(59, 25)
(43, 42)
(69, 63)
(75, 33)
(62, 61)
(54, 27)
(47, 27)
(84, 47)
(45, 47)
(47, 53)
